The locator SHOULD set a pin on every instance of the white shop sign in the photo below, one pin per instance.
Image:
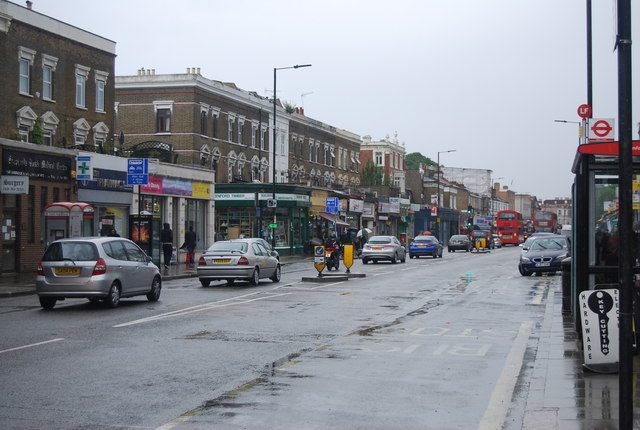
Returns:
(599, 315)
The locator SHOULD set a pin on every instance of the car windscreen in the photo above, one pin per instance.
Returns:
(228, 247)
(380, 240)
(548, 243)
(76, 251)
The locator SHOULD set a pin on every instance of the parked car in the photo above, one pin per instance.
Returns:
(381, 248)
(543, 254)
(497, 242)
(97, 268)
(459, 242)
(425, 245)
(267, 245)
(238, 259)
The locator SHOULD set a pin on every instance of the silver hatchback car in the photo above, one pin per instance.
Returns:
(238, 259)
(380, 248)
(97, 268)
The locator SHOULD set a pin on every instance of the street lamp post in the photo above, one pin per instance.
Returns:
(438, 192)
(273, 166)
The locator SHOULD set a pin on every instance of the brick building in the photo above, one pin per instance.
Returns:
(56, 82)
(387, 154)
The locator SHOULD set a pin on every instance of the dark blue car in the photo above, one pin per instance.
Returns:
(425, 245)
(543, 254)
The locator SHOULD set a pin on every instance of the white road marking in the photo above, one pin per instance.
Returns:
(33, 344)
(206, 306)
(496, 412)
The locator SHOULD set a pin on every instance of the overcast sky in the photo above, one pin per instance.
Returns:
(486, 78)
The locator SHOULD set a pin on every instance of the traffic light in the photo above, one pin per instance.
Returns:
(470, 222)
(470, 210)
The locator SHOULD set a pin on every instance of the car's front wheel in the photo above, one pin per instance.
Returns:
(113, 298)
(276, 274)
(47, 302)
(156, 287)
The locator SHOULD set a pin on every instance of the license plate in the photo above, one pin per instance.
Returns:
(543, 264)
(222, 261)
(506, 236)
(67, 270)
(376, 248)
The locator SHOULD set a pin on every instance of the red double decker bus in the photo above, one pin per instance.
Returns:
(545, 221)
(510, 227)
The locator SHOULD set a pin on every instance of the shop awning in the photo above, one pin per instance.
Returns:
(333, 218)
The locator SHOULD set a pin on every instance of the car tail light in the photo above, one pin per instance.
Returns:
(202, 262)
(40, 270)
(100, 268)
(243, 260)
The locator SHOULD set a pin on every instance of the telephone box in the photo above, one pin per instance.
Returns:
(67, 219)
(144, 230)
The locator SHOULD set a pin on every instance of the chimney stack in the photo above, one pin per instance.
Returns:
(29, 4)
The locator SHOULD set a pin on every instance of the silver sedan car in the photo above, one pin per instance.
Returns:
(238, 259)
(97, 268)
(383, 248)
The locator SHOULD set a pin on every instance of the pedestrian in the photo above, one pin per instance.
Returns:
(190, 240)
(113, 232)
(166, 237)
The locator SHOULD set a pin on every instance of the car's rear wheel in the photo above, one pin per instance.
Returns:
(276, 274)
(404, 258)
(47, 302)
(205, 282)
(255, 277)
(230, 281)
(156, 287)
(113, 298)
(365, 261)
(395, 259)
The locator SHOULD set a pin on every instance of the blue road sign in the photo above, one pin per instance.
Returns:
(332, 204)
(319, 251)
(138, 171)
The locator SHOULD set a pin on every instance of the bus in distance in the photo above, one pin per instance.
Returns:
(510, 227)
(545, 222)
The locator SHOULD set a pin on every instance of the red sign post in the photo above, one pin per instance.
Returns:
(584, 111)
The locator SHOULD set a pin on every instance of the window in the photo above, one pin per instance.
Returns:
(49, 64)
(47, 83)
(254, 134)
(100, 96)
(262, 132)
(230, 120)
(101, 81)
(215, 114)
(203, 123)
(82, 73)
(47, 137)
(25, 59)
(163, 124)
(378, 158)
(25, 78)
(311, 149)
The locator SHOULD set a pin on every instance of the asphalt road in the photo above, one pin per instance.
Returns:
(430, 343)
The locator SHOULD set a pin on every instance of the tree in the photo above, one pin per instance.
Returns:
(289, 107)
(371, 174)
(414, 160)
(37, 133)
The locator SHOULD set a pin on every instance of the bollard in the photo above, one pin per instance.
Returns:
(566, 285)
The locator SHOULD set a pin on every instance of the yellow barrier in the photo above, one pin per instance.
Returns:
(319, 261)
(348, 256)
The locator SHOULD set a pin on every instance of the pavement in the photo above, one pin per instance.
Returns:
(554, 393)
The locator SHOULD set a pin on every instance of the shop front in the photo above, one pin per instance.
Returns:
(246, 210)
(33, 176)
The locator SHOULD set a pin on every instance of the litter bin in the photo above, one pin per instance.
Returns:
(566, 285)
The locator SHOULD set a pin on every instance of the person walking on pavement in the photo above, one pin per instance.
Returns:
(166, 237)
(190, 240)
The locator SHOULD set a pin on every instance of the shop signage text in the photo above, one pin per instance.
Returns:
(14, 184)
